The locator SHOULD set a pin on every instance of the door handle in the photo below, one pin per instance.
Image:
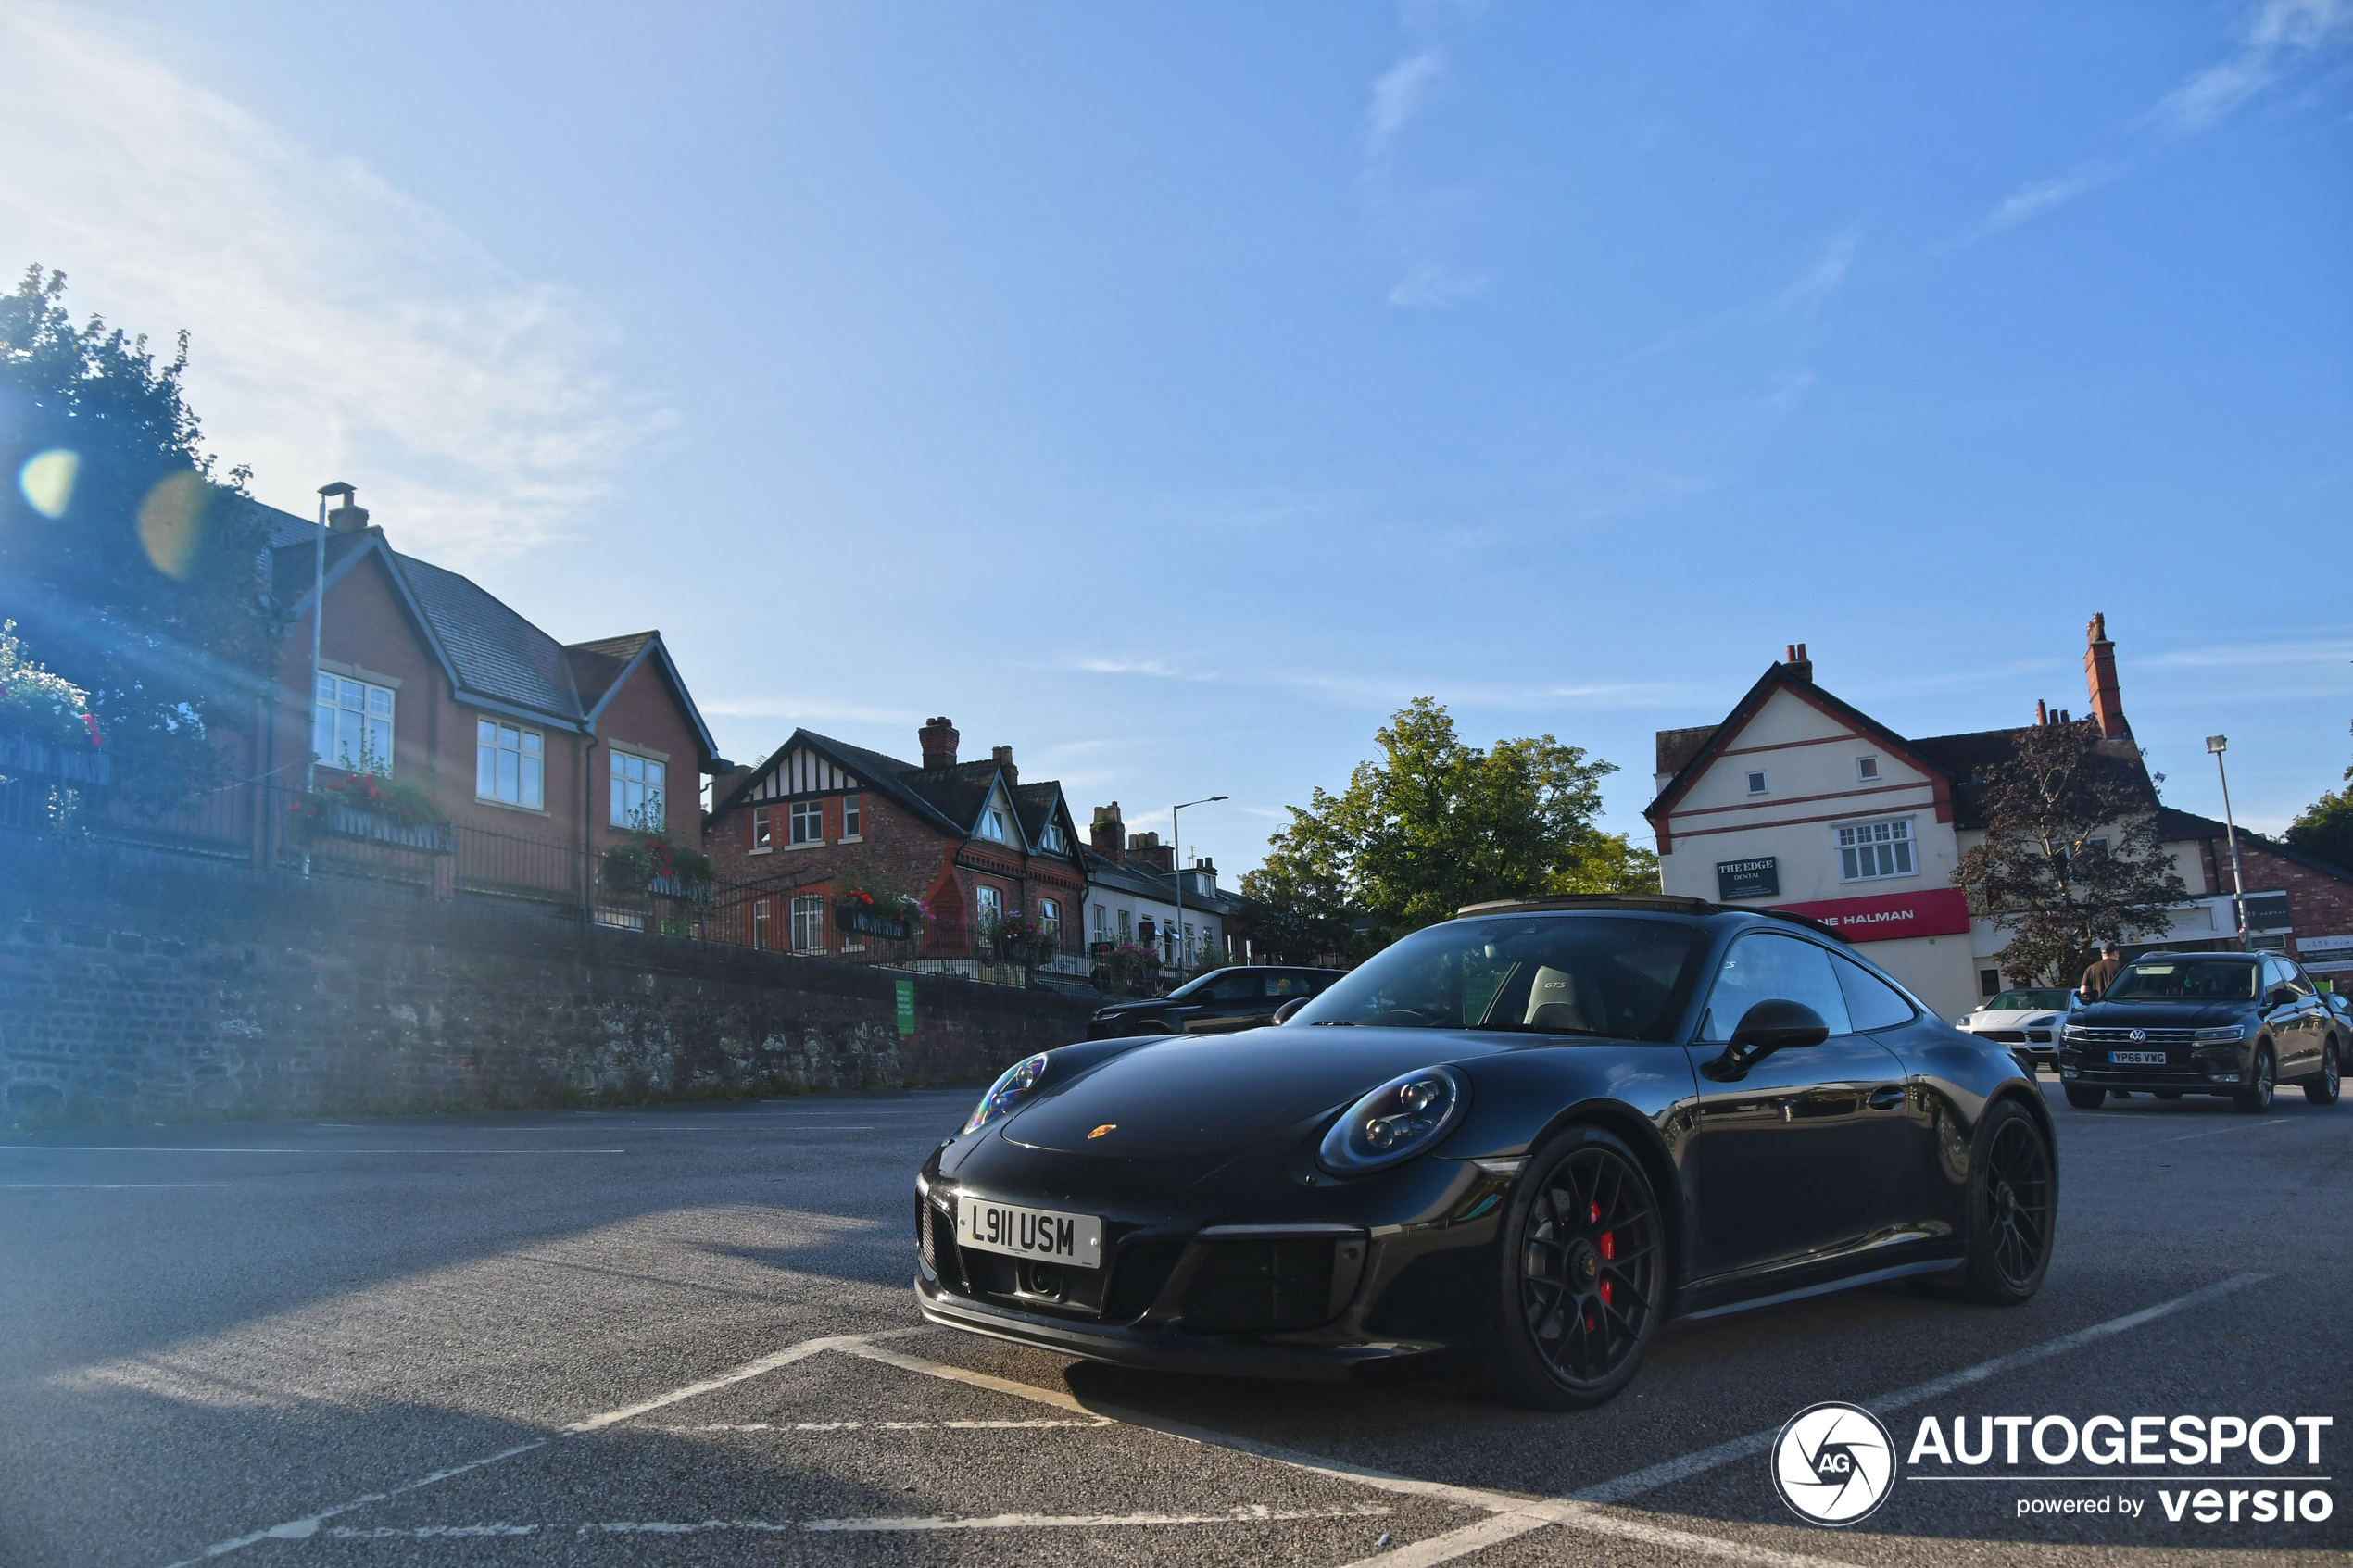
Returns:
(1888, 1097)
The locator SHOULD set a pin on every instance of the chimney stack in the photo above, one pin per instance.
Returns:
(2042, 713)
(1147, 847)
(1798, 664)
(1109, 836)
(938, 739)
(2099, 675)
(350, 516)
(1003, 756)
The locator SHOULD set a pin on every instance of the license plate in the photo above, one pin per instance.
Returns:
(1077, 1239)
(2137, 1058)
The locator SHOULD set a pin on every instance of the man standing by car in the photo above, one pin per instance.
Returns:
(2101, 975)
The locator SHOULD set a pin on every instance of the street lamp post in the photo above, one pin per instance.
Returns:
(1177, 859)
(2218, 745)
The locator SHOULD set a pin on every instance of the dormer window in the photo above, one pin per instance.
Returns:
(994, 827)
(1757, 783)
(1866, 769)
(1053, 837)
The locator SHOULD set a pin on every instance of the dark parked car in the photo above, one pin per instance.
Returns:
(1222, 999)
(1523, 1140)
(2205, 1024)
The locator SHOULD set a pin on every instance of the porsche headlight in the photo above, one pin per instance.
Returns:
(1398, 1120)
(1007, 1091)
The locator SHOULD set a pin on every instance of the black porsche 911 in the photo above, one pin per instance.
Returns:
(1518, 1142)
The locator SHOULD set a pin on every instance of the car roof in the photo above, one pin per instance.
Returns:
(1644, 903)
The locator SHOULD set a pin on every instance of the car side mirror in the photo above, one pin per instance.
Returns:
(2281, 997)
(1767, 1027)
(1282, 1014)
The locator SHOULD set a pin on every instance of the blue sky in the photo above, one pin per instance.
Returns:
(1172, 392)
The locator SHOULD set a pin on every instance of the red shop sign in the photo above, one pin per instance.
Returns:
(1941, 911)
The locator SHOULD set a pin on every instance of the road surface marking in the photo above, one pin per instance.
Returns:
(1431, 1550)
(102, 1186)
(1096, 1424)
(923, 1521)
(1535, 1512)
(304, 1528)
(1673, 1470)
(2241, 1127)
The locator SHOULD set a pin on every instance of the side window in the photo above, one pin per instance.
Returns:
(1238, 987)
(1871, 1003)
(2292, 974)
(1287, 985)
(1766, 966)
(2272, 978)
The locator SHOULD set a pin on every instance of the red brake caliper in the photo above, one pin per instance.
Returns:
(1593, 1216)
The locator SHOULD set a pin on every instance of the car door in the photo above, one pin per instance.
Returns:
(1235, 1000)
(1796, 1155)
(2311, 1019)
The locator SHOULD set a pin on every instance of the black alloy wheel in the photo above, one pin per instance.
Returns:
(1584, 1274)
(2013, 1197)
(2083, 1098)
(2256, 1098)
(2322, 1089)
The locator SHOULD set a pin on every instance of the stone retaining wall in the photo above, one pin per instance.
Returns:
(142, 987)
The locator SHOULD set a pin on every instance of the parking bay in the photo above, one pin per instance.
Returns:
(718, 1312)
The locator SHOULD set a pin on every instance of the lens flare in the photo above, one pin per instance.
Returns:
(47, 478)
(172, 523)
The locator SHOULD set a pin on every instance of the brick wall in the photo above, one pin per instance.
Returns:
(137, 987)
(2320, 904)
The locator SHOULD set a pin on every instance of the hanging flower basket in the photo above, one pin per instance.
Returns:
(895, 917)
(644, 865)
(368, 806)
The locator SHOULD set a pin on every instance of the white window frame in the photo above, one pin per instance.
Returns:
(1756, 783)
(764, 830)
(636, 780)
(988, 903)
(805, 823)
(854, 818)
(1863, 847)
(1053, 837)
(1050, 915)
(760, 924)
(1866, 769)
(347, 719)
(808, 922)
(528, 751)
(992, 826)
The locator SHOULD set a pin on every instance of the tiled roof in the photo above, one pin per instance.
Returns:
(1137, 876)
(498, 654)
(491, 653)
(2176, 827)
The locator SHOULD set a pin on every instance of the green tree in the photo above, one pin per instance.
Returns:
(130, 571)
(1432, 824)
(2324, 828)
(2072, 854)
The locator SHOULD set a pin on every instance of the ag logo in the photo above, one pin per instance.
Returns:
(1834, 1463)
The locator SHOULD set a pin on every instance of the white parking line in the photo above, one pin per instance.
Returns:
(1096, 1424)
(1535, 1512)
(308, 1527)
(925, 1522)
(104, 1187)
(324, 1148)
(2241, 1127)
(1431, 1550)
(1673, 1470)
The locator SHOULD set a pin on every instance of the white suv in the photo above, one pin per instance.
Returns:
(2028, 1021)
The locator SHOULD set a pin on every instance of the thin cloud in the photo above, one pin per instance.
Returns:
(341, 330)
(1156, 669)
(1427, 285)
(2281, 35)
(1824, 276)
(2240, 655)
(1399, 94)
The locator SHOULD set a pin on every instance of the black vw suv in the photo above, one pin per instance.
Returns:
(1241, 998)
(2204, 1023)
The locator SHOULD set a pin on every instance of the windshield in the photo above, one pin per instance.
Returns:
(1547, 974)
(1192, 987)
(2019, 1001)
(2187, 980)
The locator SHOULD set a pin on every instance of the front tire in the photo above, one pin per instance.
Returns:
(2322, 1090)
(1584, 1275)
(2085, 1099)
(2013, 1201)
(2256, 1098)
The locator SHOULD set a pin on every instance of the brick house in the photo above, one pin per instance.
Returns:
(546, 752)
(2294, 902)
(970, 839)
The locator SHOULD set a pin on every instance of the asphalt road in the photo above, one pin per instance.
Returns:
(678, 1336)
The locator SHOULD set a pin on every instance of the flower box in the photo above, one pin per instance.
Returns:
(86, 765)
